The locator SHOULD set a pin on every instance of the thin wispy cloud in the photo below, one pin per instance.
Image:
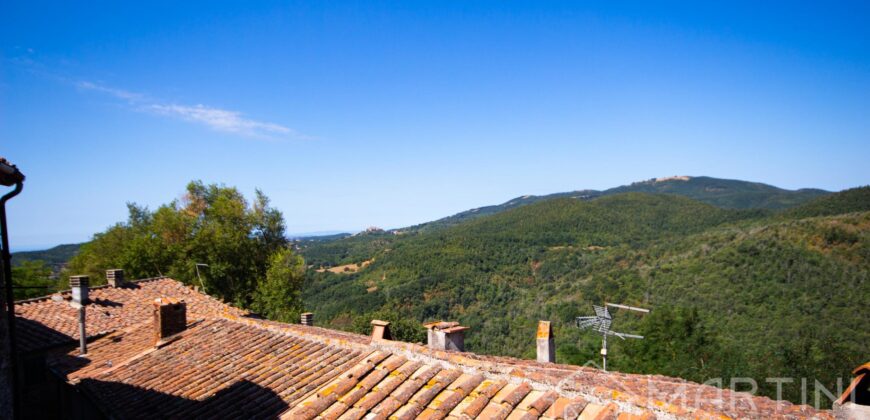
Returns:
(118, 93)
(223, 120)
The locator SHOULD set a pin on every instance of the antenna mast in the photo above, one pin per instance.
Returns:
(602, 321)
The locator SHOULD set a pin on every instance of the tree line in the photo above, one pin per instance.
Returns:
(211, 238)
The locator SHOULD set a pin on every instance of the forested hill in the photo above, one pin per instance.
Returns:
(735, 292)
(726, 193)
(851, 200)
(343, 248)
(55, 257)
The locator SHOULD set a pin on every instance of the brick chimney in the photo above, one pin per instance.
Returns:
(546, 343)
(79, 286)
(381, 330)
(115, 277)
(307, 319)
(446, 335)
(170, 318)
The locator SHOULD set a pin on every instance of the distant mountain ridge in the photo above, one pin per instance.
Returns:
(54, 257)
(724, 193)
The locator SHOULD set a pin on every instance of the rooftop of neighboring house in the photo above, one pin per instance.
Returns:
(50, 321)
(221, 363)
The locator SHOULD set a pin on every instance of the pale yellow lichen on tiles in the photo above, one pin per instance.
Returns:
(486, 383)
(329, 389)
(439, 399)
(676, 410)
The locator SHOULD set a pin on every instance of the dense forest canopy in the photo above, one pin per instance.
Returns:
(736, 293)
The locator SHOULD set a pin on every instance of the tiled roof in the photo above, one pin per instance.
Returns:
(45, 322)
(233, 367)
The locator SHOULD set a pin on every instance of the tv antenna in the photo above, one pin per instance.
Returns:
(602, 321)
(197, 265)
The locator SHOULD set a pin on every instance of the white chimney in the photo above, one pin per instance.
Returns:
(79, 286)
(546, 343)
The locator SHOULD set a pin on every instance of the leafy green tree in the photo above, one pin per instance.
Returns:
(242, 245)
(32, 279)
(402, 328)
(278, 296)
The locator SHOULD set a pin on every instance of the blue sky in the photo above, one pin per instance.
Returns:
(394, 113)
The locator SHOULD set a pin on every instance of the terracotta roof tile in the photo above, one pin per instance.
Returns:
(565, 408)
(598, 412)
(477, 400)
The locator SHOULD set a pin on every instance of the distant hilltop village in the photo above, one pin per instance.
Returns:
(370, 229)
(665, 179)
(674, 178)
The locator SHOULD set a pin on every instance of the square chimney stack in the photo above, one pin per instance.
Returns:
(446, 335)
(115, 277)
(307, 319)
(546, 343)
(381, 330)
(170, 318)
(79, 286)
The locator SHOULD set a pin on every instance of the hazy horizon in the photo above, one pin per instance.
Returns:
(314, 233)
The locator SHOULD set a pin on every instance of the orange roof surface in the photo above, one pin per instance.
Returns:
(237, 367)
(49, 321)
(228, 365)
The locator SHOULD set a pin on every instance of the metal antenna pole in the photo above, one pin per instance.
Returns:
(602, 321)
(198, 276)
(83, 337)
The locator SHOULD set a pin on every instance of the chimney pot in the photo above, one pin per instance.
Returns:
(446, 335)
(546, 343)
(307, 319)
(381, 330)
(115, 277)
(79, 286)
(170, 318)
